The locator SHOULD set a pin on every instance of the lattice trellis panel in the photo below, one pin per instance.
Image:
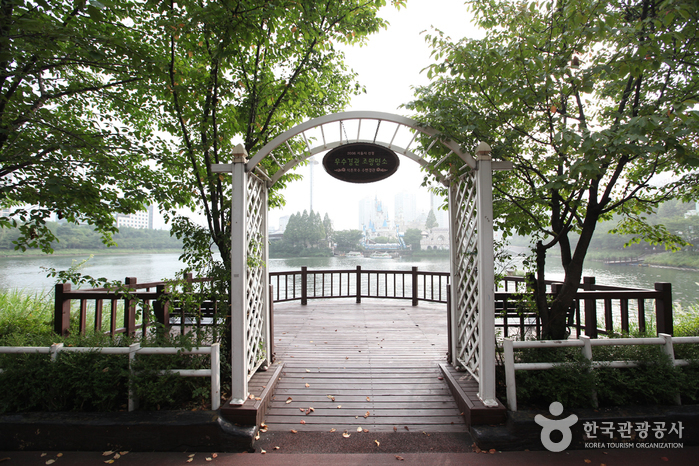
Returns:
(465, 270)
(255, 209)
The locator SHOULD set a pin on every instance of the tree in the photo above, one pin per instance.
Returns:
(69, 143)
(347, 240)
(242, 71)
(431, 221)
(328, 225)
(591, 101)
(412, 238)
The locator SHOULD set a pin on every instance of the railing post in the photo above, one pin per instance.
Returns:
(161, 308)
(304, 285)
(61, 310)
(359, 284)
(414, 279)
(590, 309)
(663, 309)
(130, 308)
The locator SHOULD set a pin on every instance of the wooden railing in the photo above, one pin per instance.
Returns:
(128, 309)
(414, 284)
(597, 309)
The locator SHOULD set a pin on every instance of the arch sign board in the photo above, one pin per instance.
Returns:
(361, 162)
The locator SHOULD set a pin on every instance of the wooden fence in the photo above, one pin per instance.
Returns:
(597, 309)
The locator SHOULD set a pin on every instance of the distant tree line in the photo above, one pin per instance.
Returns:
(306, 234)
(71, 236)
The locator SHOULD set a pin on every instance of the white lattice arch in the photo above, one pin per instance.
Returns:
(470, 205)
(319, 135)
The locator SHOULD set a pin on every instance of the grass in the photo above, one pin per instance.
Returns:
(25, 314)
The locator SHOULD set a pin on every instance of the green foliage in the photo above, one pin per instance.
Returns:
(72, 137)
(305, 230)
(655, 380)
(571, 383)
(431, 221)
(348, 240)
(589, 100)
(25, 314)
(69, 236)
(412, 238)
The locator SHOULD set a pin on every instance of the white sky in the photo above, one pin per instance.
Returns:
(388, 66)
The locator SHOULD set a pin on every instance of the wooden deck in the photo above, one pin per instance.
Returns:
(373, 366)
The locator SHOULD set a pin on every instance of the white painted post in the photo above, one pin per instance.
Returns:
(215, 376)
(133, 399)
(266, 331)
(669, 350)
(239, 362)
(486, 276)
(452, 269)
(510, 384)
(239, 367)
(587, 353)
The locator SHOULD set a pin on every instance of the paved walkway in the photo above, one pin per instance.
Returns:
(687, 456)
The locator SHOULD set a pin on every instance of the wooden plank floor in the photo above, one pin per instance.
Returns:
(372, 366)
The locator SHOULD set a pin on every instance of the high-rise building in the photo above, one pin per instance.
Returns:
(137, 220)
(405, 206)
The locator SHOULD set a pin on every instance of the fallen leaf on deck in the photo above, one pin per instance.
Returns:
(51, 461)
(301, 409)
(192, 455)
(588, 461)
(491, 451)
(276, 448)
(214, 455)
(59, 455)
(257, 398)
(208, 458)
(339, 406)
(107, 462)
(251, 396)
(190, 460)
(345, 434)
(257, 436)
(263, 451)
(377, 443)
(106, 453)
(307, 385)
(368, 399)
(406, 428)
(302, 421)
(122, 453)
(308, 370)
(117, 456)
(366, 415)
(333, 430)
(331, 397)
(293, 431)
(44, 454)
(399, 458)
(288, 400)
(395, 429)
(359, 429)
(366, 431)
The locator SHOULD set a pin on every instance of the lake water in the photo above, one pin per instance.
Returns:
(26, 273)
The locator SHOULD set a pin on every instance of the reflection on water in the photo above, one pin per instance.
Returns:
(26, 273)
